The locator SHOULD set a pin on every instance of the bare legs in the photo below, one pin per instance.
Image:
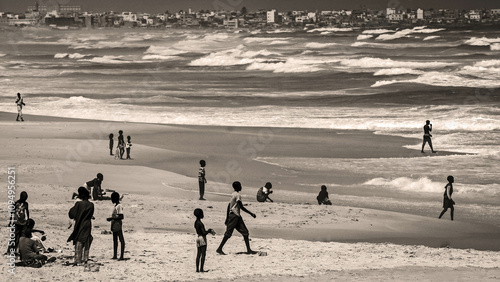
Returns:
(200, 258)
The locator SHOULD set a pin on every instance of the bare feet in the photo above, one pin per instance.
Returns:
(220, 252)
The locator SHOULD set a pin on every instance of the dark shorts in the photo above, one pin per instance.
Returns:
(427, 138)
(235, 222)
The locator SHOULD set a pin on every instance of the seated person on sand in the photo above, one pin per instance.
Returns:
(38, 241)
(28, 249)
(263, 193)
(323, 196)
(94, 188)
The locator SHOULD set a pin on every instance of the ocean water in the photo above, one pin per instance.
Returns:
(386, 80)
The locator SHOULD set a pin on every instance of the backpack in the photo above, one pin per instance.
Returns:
(20, 214)
(261, 197)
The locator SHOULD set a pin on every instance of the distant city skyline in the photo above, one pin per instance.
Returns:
(159, 6)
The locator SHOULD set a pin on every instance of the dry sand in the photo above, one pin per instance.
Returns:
(303, 242)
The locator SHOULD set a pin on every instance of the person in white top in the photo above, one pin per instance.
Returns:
(235, 221)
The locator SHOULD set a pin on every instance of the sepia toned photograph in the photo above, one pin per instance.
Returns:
(236, 140)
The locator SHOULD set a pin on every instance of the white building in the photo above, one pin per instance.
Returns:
(395, 17)
(312, 16)
(272, 16)
(420, 14)
(390, 11)
(129, 17)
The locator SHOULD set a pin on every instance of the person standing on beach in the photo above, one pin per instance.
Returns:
(111, 143)
(20, 103)
(235, 221)
(427, 135)
(264, 192)
(21, 217)
(201, 241)
(121, 143)
(447, 200)
(116, 225)
(82, 212)
(128, 146)
(201, 179)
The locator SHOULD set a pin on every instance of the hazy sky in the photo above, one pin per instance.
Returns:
(280, 5)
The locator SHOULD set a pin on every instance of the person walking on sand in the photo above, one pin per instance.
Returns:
(427, 135)
(82, 212)
(116, 226)
(20, 103)
(447, 200)
(201, 241)
(235, 221)
(264, 192)
(121, 144)
(323, 196)
(111, 143)
(128, 146)
(202, 179)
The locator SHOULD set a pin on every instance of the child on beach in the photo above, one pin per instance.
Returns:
(235, 221)
(427, 135)
(128, 146)
(323, 196)
(263, 193)
(28, 249)
(121, 143)
(447, 200)
(19, 221)
(82, 212)
(116, 225)
(201, 179)
(111, 142)
(38, 241)
(20, 103)
(201, 241)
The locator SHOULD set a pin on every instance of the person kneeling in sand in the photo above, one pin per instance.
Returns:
(263, 193)
(235, 221)
(323, 196)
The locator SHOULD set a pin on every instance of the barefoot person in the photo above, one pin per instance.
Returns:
(82, 212)
(18, 223)
(111, 143)
(201, 179)
(116, 225)
(121, 143)
(235, 221)
(20, 103)
(447, 200)
(201, 241)
(427, 135)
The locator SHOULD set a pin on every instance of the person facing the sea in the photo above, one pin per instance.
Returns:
(447, 200)
(323, 196)
(128, 146)
(263, 193)
(20, 103)
(82, 212)
(201, 241)
(116, 226)
(427, 135)
(202, 179)
(235, 221)
(121, 143)
(111, 143)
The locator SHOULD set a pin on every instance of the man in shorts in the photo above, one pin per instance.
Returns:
(235, 221)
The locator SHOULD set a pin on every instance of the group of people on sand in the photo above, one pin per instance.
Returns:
(28, 246)
(83, 213)
(121, 147)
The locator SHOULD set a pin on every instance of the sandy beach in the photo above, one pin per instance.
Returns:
(351, 240)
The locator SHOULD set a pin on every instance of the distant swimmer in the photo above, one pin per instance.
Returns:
(20, 103)
(447, 200)
(323, 196)
(427, 135)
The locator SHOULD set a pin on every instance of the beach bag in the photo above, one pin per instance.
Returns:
(20, 214)
(261, 196)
